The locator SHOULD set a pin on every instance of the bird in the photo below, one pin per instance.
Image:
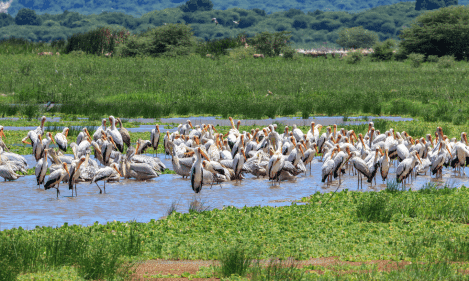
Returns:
(124, 133)
(61, 139)
(99, 131)
(405, 167)
(238, 162)
(40, 130)
(41, 169)
(215, 20)
(197, 171)
(75, 174)
(2, 144)
(155, 138)
(237, 22)
(104, 174)
(115, 134)
(54, 179)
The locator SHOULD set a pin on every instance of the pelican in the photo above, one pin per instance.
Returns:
(197, 171)
(41, 169)
(276, 163)
(61, 139)
(75, 174)
(104, 174)
(155, 138)
(99, 132)
(56, 177)
(115, 134)
(124, 133)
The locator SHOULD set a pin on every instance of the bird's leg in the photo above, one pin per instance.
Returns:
(100, 191)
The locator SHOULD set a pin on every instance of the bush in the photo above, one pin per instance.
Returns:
(373, 208)
(218, 46)
(382, 51)
(357, 37)
(176, 38)
(416, 59)
(271, 44)
(446, 62)
(289, 53)
(354, 57)
(98, 41)
(241, 53)
(440, 32)
(432, 58)
(433, 4)
(401, 54)
(6, 19)
(135, 46)
(234, 261)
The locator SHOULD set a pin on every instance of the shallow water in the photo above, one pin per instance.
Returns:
(23, 204)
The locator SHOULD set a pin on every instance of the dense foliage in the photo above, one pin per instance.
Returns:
(139, 7)
(357, 37)
(441, 32)
(422, 226)
(434, 4)
(309, 29)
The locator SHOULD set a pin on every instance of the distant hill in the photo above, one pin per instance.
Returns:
(139, 7)
(311, 29)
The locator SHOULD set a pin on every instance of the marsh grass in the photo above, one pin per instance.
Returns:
(234, 261)
(156, 87)
(374, 208)
(172, 208)
(277, 270)
(94, 258)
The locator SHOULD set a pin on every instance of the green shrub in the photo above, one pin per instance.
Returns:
(357, 37)
(271, 44)
(218, 46)
(382, 51)
(401, 54)
(289, 53)
(432, 58)
(416, 59)
(459, 119)
(175, 38)
(135, 46)
(446, 62)
(99, 41)
(241, 53)
(354, 57)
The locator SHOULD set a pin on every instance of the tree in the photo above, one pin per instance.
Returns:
(357, 37)
(197, 5)
(27, 17)
(434, 4)
(6, 19)
(441, 32)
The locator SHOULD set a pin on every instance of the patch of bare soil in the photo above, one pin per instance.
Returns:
(177, 267)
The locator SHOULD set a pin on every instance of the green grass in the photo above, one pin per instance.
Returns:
(423, 227)
(161, 87)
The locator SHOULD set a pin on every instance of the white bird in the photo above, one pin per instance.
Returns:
(297, 133)
(38, 148)
(404, 168)
(238, 162)
(215, 20)
(197, 171)
(75, 174)
(2, 144)
(384, 164)
(155, 138)
(83, 135)
(40, 130)
(61, 139)
(56, 177)
(439, 159)
(116, 135)
(104, 174)
(327, 167)
(41, 169)
(237, 22)
(99, 131)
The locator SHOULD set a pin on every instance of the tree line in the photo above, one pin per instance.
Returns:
(307, 29)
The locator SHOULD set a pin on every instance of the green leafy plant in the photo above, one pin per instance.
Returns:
(416, 59)
(354, 57)
(234, 261)
(271, 44)
(432, 58)
(446, 61)
(383, 51)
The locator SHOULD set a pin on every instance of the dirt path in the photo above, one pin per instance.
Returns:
(150, 268)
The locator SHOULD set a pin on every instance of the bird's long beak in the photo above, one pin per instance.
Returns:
(465, 138)
(418, 156)
(157, 128)
(112, 141)
(244, 155)
(51, 138)
(136, 147)
(204, 155)
(43, 121)
(190, 124)
(79, 164)
(117, 170)
(441, 144)
(40, 138)
(449, 152)
(213, 127)
(2, 133)
(302, 152)
(66, 132)
(66, 169)
(26, 142)
(196, 139)
(86, 130)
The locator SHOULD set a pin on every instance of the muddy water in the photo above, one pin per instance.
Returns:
(23, 204)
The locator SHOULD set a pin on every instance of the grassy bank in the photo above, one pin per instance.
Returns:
(424, 226)
(150, 87)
